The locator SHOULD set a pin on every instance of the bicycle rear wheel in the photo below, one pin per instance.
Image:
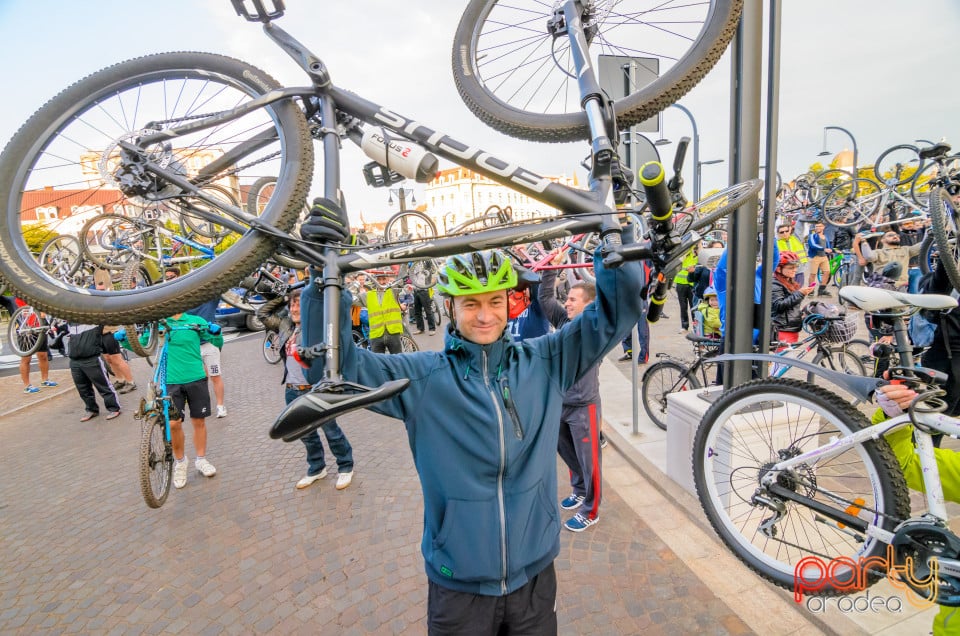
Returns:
(659, 381)
(754, 426)
(944, 218)
(73, 154)
(133, 277)
(409, 225)
(156, 461)
(897, 165)
(26, 331)
(407, 343)
(519, 79)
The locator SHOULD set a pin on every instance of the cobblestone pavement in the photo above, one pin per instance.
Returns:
(244, 552)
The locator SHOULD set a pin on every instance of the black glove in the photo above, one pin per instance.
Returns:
(327, 222)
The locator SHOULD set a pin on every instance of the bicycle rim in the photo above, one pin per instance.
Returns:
(944, 217)
(67, 163)
(518, 79)
(720, 204)
(271, 347)
(156, 462)
(762, 422)
(658, 382)
(25, 331)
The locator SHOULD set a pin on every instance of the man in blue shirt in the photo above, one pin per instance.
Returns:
(819, 249)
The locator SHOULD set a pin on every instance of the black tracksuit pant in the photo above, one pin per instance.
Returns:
(89, 374)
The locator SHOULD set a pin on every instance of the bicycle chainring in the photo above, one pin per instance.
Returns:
(917, 544)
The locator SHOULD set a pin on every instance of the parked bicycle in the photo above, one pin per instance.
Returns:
(801, 486)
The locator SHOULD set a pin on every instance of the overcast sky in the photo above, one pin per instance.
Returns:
(884, 69)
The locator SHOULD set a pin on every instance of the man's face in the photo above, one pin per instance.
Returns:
(819, 228)
(481, 318)
(891, 239)
(294, 307)
(576, 301)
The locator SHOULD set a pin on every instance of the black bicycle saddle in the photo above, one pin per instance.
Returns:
(328, 401)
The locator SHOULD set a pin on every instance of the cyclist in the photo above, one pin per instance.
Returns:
(685, 287)
(786, 298)
(187, 384)
(788, 241)
(819, 249)
(385, 316)
(710, 313)
(890, 251)
(579, 443)
(485, 453)
(295, 383)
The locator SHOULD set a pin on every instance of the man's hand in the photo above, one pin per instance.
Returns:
(894, 399)
(560, 257)
(214, 328)
(806, 291)
(327, 222)
(120, 335)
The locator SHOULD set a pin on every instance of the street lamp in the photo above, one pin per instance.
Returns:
(696, 149)
(852, 140)
(699, 175)
(402, 193)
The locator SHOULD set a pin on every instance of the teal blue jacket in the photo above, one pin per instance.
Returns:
(482, 423)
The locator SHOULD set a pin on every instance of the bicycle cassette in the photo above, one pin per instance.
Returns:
(917, 545)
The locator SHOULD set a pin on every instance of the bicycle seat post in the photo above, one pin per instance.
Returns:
(332, 289)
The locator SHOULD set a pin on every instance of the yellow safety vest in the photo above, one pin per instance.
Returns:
(384, 313)
(689, 260)
(795, 245)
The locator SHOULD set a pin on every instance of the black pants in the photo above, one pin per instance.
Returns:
(387, 343)
(421, 305)
(530, 610)
(685, 296)
(89, 374)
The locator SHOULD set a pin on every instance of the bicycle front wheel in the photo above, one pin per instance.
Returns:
(516, 72)
(944, 218)
(763, 422)
(271, 347)
(659, 381)
(79, 155)
(852, 203)
(409, 225)
(62, 256)
(156, 461)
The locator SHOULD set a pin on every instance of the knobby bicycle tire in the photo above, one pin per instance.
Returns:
(156, 461)
(490, 80)
(736, 443)
(660, 380)
(45, 153)
(944, 223)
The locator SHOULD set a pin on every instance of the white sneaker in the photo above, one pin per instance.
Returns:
(221, 410)
(344, 480)
(309, 479)
(180, 473)
(205, 467)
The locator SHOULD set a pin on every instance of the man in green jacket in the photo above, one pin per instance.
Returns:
(685, 287)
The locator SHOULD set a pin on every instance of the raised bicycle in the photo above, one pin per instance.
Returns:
(805, 491)
(205, 120)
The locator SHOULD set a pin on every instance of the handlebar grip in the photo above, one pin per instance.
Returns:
(657, 300)
(652, 179)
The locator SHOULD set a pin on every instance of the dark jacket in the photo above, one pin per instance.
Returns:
(85, 342)
(786, 307)
(488, 472)
(587, 389)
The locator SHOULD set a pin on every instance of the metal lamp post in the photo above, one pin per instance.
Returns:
(696, 149)
(697, 185)
(853, 140)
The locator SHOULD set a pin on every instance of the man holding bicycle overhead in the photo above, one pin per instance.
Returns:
(482, 420)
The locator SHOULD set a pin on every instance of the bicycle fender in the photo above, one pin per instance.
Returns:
(860, 387)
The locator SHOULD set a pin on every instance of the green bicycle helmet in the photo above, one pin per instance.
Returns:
(476, 273)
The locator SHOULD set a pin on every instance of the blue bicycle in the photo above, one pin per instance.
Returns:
(155, 411)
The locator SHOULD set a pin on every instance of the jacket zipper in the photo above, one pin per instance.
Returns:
(511, 408)
(503, 461)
